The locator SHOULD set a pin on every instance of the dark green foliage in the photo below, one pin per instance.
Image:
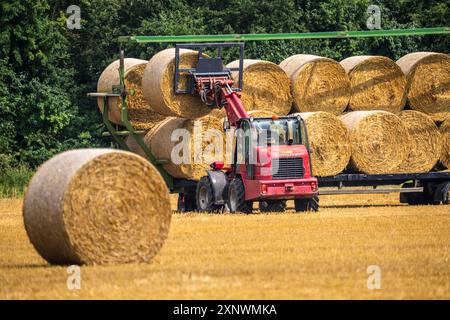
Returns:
(46, 69)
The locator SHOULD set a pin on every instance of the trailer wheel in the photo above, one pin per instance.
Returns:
(415, 198)
(272, 206)
(186, 202)
(442, 193)
(447, 201)
(205, 196)
(304, 205)
(236, 197)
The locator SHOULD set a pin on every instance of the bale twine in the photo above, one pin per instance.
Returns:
(140, 113)
(428, 76)
(97, 206)
(379, 141)
(199, 152)
(317, 83)
(158, 80)
(266, 86)
(426, 142)
(329, 142)
(377, 83)
(445, 133)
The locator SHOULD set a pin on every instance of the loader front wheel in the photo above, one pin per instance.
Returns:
(272, 206)
(304, 205)
(236, 197)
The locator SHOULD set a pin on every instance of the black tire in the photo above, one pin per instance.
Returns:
(272, 206)
(305, 205)
(442, 193)
(415, 198)
(205, 196)
(186, 202)
(236, 197)
(447, 201)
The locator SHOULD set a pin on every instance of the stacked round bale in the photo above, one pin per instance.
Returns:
(444, 129)
(317, 83)
(379, 141)
(158, 90)
(97, 206)
(266, 86)
(184, 137)
(329, 142)
(189, 145)
(140, 113)
(428, 81)
(426, 142)
(376, 83)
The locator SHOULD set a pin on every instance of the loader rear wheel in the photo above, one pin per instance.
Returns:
(304, 205)
(236, 197)
(205, 196)
(272, 206)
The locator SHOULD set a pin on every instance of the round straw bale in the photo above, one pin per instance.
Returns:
(158, 80)
(97, 206)
(261, 114)
(266, 86)
(426, 142)
(135, 147)
(329, 142)
(140, 114)
(379, 141)
(317, 83)
(221, 114)
(439, 117)
(428, 76)
(445, 133)
(377, 83)
(189, 156)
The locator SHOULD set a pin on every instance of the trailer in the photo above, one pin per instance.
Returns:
(414, 188)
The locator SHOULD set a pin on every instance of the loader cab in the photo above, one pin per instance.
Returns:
(260, 142)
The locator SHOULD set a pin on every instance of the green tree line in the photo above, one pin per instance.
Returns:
(46, 69)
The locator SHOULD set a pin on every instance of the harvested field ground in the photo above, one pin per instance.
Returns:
(270, 256)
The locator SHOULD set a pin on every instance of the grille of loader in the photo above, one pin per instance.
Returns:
(285, 168)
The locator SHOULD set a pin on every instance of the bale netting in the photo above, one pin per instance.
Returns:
(97, 206)
(428, 76)
(379, 141)
(266, 86)
(140, 113)
(158, 80)
(445, 133)
(426, 142)
(189, 145)
(317, 83)
(377, 83)
(329, 142)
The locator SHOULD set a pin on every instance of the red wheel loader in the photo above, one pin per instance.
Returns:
(271, 161)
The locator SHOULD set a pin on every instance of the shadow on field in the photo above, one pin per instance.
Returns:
(341, 206)
(26, 265)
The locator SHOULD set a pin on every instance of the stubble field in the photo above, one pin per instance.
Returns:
(258, 256)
